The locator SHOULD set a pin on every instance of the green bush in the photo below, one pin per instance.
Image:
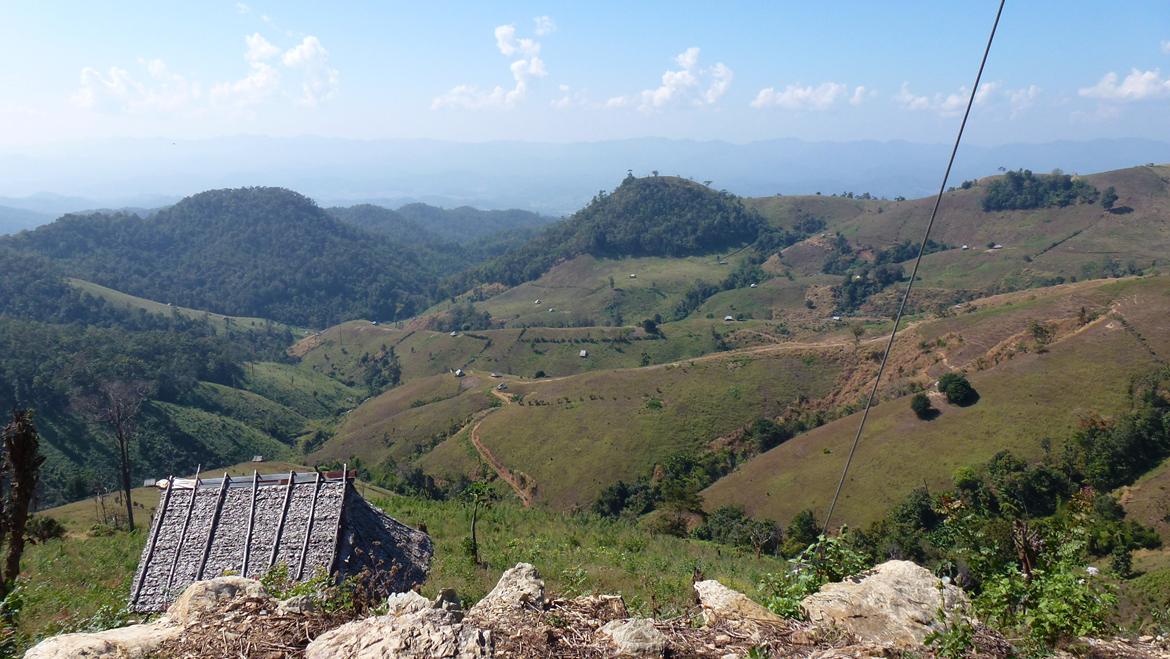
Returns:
(824, 561)
(920, 403)
(957, 389)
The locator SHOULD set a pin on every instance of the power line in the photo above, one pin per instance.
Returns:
(914, 274)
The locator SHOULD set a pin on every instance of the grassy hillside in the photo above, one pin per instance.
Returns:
(72, 580)
(1026, 396)
(221, 322)
(1079, 241)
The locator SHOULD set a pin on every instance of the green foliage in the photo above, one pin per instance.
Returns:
(1108, 198)
(655, 216)
(823, 561)
(1022, 190)
(920, 403)
(954, 636)
(957, 389)
(463, 317)
(729, 525)
(263, 252)
(766, 434)
(42, 528)
(803, 530)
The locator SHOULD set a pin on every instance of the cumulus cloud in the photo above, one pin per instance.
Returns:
(688, 84)
(569, 98)
(1023, 98)
(544, 25)
(161, 90)
(527, 66)
(259, 48)
(796, 97)
(860, 94)
(319, 80)
(944, 104)
(1137, 86)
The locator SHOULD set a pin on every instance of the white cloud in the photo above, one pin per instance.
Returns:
(509, 45)
(262, 81)
(319, 80)
(688, 84)
(524, 69)
(259, 48)
(1137, 86)
(944, 104)
(861, 94)
(986, 91)
(544, 25)
(796, 97)
(721, 77)
(1023, 98)
(569, 98)
(162, 90)
(117, 89)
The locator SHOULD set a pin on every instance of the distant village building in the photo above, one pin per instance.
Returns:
(458, 372)
(728, 318)
(307, 522)
(584, 353)
(633, 276)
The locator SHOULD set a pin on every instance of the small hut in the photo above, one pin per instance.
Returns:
(205, 528)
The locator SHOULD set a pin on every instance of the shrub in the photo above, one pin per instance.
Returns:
(41, 528)
(825, 560)
(920, 403)
(957, 389)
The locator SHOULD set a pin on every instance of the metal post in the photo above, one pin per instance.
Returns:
(214, 522)
(162, 511)
(251, 521)
(183, 534)
(292, 479)
(309, 526)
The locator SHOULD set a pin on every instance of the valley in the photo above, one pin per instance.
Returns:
(622, 373)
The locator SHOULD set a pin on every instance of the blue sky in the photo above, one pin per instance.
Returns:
(573, 71)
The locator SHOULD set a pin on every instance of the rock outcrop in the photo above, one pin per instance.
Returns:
(413, 628)
(886, 611)
(200, 601)
(895, 604)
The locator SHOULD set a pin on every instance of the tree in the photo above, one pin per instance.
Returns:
(957, 389)
(858, 331)
(920, 403)
(1108, 198)
(21, 463)
(802, 531)
(649, 326)
(117, 405)
(479, 495)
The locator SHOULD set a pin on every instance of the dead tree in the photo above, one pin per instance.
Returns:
(117, 404)
(21, 466)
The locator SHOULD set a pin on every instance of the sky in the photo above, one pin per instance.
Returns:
(579, 72)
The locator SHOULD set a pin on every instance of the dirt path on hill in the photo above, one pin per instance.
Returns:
(522, 485)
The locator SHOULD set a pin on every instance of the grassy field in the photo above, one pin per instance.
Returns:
(83, 581)
(219, 321)
(1023, 399)
(336, 352)
(576, 435)
(1070, 242)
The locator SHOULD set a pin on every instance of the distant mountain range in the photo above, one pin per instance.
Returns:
(547, 178)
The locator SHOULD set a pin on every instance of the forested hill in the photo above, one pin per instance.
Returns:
(265, 252)
(466, 224)
(650, 216)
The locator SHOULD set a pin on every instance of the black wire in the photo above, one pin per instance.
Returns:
(914, 274)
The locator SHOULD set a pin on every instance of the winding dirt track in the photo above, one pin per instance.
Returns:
(517, 485)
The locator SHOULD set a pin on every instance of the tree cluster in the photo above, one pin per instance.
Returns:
(1023, 190)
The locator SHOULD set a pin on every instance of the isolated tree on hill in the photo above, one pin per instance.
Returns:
(480, 495)
(1108, 198)
(920, 403)
(117, 404)
(957, 389)
(19, 468)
